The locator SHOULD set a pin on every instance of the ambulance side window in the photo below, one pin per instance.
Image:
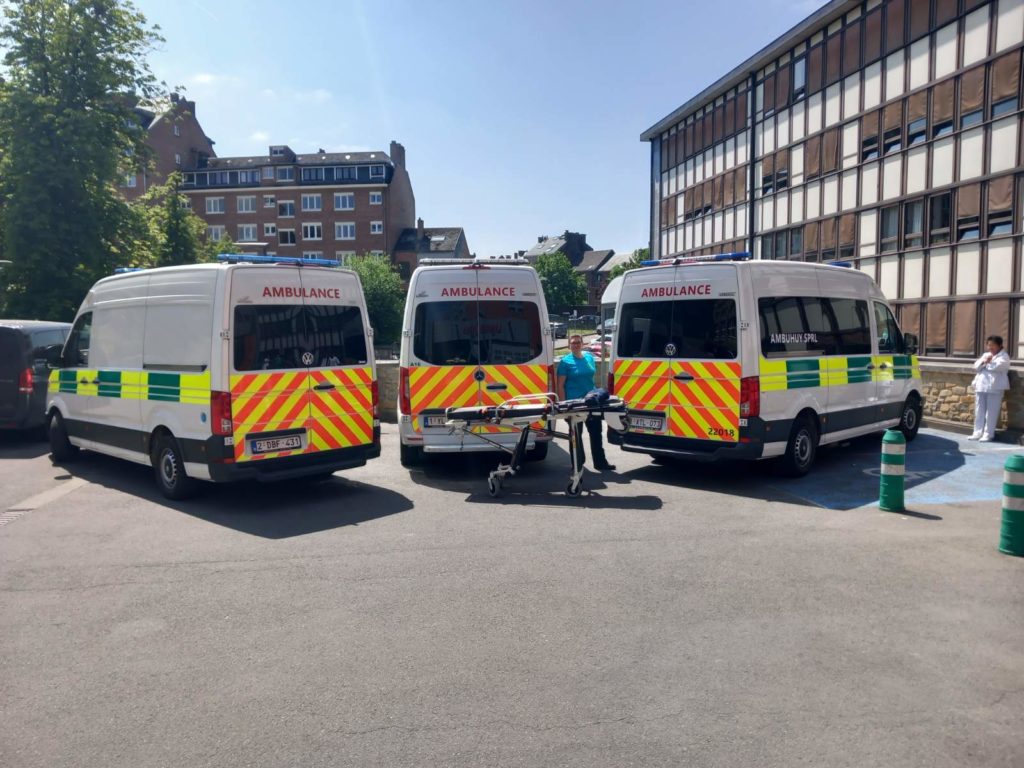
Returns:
(797, 326)
(890, 339)
(852, 324)
(76, 350)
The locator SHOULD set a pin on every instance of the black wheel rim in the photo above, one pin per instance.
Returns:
(168, 468)
(803, 448)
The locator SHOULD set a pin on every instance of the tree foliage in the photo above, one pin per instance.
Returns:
(385, 296)
(563, 286)
(633, 262)
(73, 71)
(170, 233)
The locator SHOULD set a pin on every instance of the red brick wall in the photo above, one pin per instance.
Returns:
(164, 144)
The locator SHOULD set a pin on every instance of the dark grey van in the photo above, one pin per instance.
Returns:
(25, 346)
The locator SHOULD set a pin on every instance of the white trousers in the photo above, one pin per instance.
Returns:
(986, 412)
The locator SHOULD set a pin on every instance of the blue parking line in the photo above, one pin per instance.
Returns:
(942, 468)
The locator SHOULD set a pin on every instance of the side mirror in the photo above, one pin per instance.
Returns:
(910, 341)
(52, 355)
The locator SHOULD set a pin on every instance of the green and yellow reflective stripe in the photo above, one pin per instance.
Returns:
(193, 388)
(796, 373)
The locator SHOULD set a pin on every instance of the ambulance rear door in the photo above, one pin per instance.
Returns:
(678, 365)
(339, 360)
(270, 358)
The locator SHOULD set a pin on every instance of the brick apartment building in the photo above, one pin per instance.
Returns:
(176, 140)
(886, 133)
(324, 204)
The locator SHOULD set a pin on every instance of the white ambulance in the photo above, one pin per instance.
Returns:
(255, 368)
(723, 357)
(474, 333)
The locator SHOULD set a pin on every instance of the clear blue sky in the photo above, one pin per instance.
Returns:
(519, 118)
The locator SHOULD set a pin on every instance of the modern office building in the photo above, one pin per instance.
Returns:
(884, 133)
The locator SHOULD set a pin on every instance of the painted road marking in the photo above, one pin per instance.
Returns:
(15, 511)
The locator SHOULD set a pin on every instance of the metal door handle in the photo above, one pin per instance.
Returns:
(497, 386)
(324, 385)
(884, 365)
(683, 377)
(84, 381)
(870, 366)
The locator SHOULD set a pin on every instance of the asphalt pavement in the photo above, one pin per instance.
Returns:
(672, 616)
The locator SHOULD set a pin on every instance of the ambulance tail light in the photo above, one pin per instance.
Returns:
(403, 391)
(750, 397)
(220, 414)
(25, 382)
(375, 398)
(551, 378)
(611, 383)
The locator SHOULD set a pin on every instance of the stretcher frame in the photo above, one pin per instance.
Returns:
(521, 413)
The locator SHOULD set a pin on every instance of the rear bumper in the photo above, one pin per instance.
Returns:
(442, 441)
(750, 446)
(303, 465)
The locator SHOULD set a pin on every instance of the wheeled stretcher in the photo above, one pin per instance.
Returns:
(523, 413)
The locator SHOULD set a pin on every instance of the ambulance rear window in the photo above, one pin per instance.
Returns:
(689, 329)
(477, 332)
(280, 336)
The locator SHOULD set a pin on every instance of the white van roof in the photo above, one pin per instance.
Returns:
(611, 293)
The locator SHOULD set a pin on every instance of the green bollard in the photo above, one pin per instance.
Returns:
(1011, 534)
(894, 449)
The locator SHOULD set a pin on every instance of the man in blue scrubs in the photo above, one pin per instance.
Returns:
(575, 377)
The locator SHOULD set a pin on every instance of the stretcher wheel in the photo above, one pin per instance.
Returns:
(493, 486)
(574, 489)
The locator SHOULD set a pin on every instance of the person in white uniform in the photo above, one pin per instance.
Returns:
(989, 383)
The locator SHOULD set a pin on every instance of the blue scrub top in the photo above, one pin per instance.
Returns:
(579, 374)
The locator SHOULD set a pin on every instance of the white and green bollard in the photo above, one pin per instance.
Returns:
(1011, 533)
(894, 460)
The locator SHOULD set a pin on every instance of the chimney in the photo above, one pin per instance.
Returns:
(541, 238)
(397, 153)
(419, 229)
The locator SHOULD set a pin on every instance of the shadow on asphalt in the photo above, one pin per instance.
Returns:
(541, 483)
(23, 445)
(845, 476)
(270, 510)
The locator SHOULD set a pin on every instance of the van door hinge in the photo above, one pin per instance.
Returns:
(226, 335)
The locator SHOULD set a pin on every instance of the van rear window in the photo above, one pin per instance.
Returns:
(688, 329)
(477, 332)
(277, 337)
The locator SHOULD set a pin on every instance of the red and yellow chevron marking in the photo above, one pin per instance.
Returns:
(518, 380)
(707, 408)
(267, 402)
(439, 387)
(341, 417)
(333, 418)
(645, 385)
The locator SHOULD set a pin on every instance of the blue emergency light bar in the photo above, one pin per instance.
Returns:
(847, 264)
(255, 258)
(735, 256)
(126, 270)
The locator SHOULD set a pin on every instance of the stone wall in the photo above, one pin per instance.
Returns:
(949, 398)
(387, 385)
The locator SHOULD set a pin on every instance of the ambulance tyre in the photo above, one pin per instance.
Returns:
(801, 449)
(910, 418)
(539, 452)
(410, 455)
(60, 447)
(169, 469)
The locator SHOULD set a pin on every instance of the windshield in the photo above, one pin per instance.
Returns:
(477, 332)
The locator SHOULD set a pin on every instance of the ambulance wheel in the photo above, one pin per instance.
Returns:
(169, 468)
(910, 418)
(410, 455)
(60, 447)
(802, 448)
(539, 452)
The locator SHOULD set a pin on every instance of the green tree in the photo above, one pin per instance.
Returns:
(563, 286)
(73, 71)
(385, 296)
(633, 262)
(171, 233)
